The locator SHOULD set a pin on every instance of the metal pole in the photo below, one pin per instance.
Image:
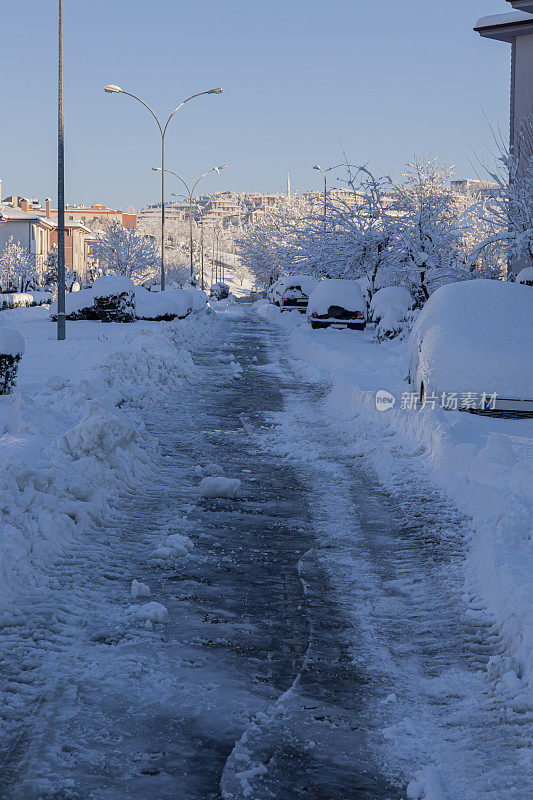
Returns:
(202, 250)
(213, 258)
(60, 191)
(163, 211)
(325, 199)
(190, 234)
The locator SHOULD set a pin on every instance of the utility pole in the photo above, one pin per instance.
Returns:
(61, 333)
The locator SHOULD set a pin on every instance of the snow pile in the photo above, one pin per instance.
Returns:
(390, 309)
(78, 305)
(11, 342)
(102, 434)
(139, 589)
(150, 612)
(218, 486)
(336, 292)
(475, 336)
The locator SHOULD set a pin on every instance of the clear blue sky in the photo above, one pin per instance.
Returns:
(386, 78)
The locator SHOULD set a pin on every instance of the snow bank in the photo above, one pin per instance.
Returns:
(336, 292)
(475, 336)
(72, 438)
(11, 342)
(217, 486)
(112, 286)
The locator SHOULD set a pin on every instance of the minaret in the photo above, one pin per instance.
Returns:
(289, 185)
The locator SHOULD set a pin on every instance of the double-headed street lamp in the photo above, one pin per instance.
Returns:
(190, 192)
(325, 191)
(112, 89)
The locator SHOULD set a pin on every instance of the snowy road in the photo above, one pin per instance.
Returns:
(314, 647)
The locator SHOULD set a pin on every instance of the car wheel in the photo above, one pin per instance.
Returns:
(315, 325)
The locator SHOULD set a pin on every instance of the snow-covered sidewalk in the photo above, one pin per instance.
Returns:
(484, 465)
(71, 436)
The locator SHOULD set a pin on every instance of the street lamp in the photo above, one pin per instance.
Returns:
(60, 188)
(325, 191)
(111, 88)
(190, 192)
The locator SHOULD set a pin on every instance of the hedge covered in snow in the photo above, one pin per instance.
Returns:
(12, 348)
(114, 298)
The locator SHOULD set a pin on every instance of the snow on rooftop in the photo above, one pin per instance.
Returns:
(509, 18)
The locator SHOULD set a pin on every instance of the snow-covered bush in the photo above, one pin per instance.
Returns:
(11, 351)
(390, 309)
(525, 276)
(40, 297)
(114, 297)
(15, 300)
(156, 306)
(198, 298)
(78, 305)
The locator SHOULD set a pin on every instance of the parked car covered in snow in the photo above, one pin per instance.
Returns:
(292, 291)
(472, 341)
(219, 291)
(337, 302)
(272, 292)
(390, 309)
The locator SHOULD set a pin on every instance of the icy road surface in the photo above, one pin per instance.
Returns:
(313, 646)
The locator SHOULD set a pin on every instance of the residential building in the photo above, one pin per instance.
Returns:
(516, 28)
(26, 226)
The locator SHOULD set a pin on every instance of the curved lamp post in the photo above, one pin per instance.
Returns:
(190, 192)
(112, 89)
(325, 191)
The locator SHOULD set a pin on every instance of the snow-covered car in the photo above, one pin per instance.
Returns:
(472, 343)
(219, 291)
(337, 302)
(390, 309)
(272, 292)
(292, 291)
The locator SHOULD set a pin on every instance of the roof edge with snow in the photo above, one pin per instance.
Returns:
(505, 27)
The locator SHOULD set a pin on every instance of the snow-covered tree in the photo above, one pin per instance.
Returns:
(429, 229)
(49, 276)
(17, 267)
(507, 214)
(122, 251)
